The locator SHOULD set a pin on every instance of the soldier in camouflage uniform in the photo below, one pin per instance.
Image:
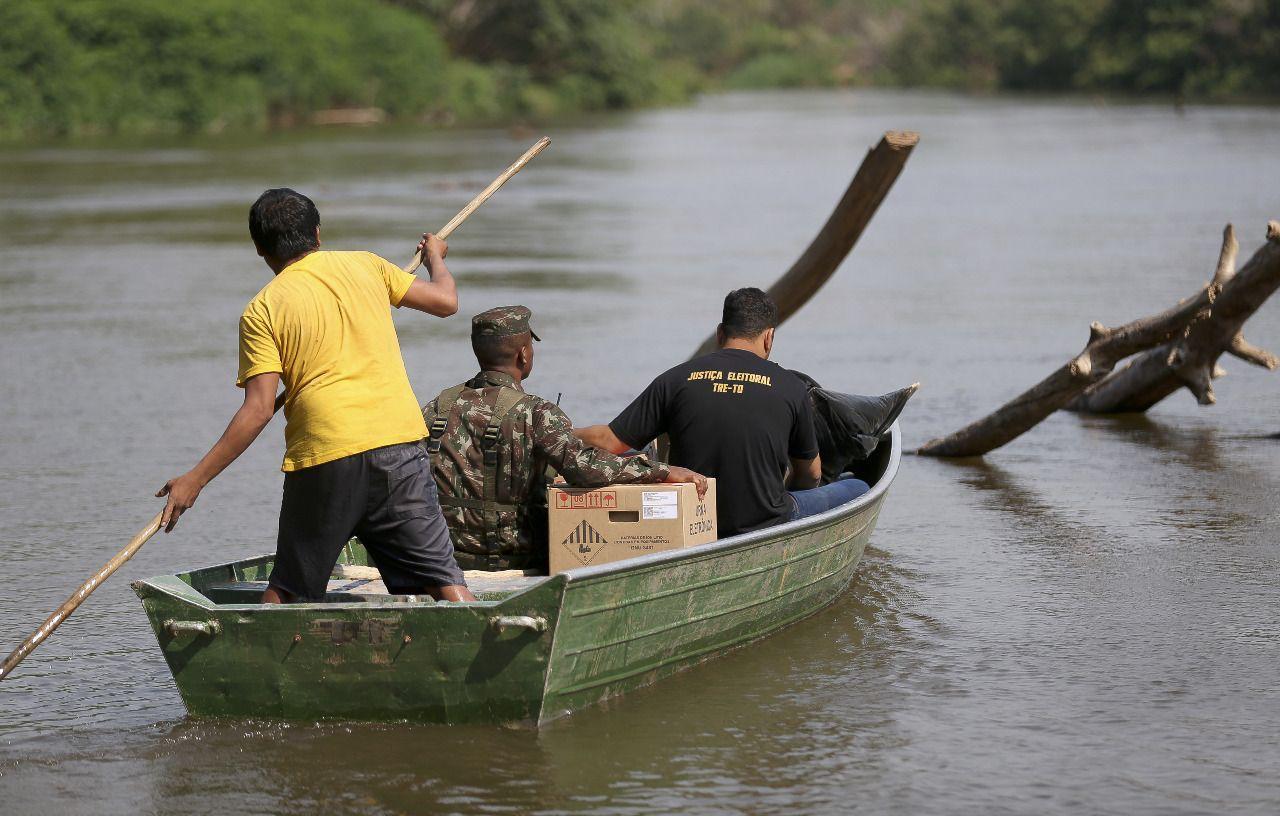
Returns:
(492, 445)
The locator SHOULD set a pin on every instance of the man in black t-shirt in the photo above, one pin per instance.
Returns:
(735, 415)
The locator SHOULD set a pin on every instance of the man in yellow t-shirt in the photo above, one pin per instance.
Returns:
(354, 459)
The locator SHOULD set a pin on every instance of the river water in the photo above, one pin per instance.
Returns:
(1086, 622)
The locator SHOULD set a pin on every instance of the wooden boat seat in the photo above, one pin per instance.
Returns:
(364, 585)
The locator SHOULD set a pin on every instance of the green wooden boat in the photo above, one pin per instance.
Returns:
(532, 649)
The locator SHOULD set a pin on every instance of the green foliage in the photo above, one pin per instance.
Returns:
(77, 66)
(474, 93)
(771, 43)
(36, 69)
(1200, 48)
(582, 54)
(676, 80)
(782, 69)
(90, 66)
(1186, 47)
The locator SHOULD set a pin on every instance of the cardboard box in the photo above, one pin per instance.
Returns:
(605, 524)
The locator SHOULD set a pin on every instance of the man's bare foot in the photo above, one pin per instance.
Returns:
(457, 593)
(274, 595)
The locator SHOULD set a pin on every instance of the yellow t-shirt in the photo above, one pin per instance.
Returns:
(325, 324)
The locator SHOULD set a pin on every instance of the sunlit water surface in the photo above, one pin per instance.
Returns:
(1089, 621)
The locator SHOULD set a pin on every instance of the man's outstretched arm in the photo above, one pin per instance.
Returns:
(584, 464)
(248, 422)
(602, 437)
(642, 421)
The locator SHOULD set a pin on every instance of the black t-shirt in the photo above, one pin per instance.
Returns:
(734, 416)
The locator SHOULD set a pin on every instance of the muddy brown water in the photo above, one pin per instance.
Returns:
(1088, 622)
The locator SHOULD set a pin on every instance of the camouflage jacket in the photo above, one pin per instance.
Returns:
(534, 435)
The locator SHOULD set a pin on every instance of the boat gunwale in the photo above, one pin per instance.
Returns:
(754, 538)
(205, 603)
(765, 535)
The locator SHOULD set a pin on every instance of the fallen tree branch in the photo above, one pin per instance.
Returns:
(1250, 353)
(833, 243)
(1191, 361)
(876, 175)
(1107, 347)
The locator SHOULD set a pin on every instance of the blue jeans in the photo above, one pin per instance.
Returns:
(821, 499)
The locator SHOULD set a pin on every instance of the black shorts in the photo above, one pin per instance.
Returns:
(386, 497)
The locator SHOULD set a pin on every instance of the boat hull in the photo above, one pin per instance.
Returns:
(564, 643)
(627, 628)
(361, 661)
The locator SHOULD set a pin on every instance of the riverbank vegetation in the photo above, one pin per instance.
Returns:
(74, 67)
(88, 66)
(1204, 49)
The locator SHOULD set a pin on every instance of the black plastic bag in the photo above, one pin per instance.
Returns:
(849, 426)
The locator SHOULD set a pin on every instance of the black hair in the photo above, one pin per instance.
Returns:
(283, 224)
(747, 313)
(494, 350)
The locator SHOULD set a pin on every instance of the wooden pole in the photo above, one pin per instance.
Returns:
(465, 213)
(833, 243)
(484, 196)
(86, 589)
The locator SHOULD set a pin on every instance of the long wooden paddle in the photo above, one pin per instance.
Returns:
(86, 589)
(144, 535)
(484, 195)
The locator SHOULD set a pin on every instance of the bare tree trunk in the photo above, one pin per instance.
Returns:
(833, 243)
(875, 176)
(1106, 347)
(1191, 361)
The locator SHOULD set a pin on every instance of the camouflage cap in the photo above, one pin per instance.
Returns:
(503, 321)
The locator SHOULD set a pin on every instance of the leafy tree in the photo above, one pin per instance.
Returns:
(594, 52)
(1192, 47)
(76, 66)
